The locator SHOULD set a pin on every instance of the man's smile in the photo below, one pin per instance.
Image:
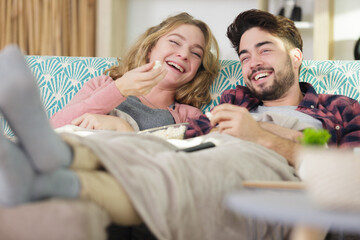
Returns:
(260, 76)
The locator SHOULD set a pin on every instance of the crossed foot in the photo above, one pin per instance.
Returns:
(40, 155)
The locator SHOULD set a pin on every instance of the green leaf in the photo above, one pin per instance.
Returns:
(315, 137)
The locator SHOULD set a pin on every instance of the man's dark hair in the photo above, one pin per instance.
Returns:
(278, 26)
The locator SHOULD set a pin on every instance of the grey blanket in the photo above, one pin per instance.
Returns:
(181, 195)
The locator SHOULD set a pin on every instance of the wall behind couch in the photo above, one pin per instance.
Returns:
(346, 28)
(219, 14)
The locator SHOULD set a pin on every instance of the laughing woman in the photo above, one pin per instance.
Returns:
(43, 164)
(148, 96)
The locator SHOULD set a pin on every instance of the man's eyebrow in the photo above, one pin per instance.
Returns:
(256, 46)
(243, 52)
(183, 38)
(263, 43)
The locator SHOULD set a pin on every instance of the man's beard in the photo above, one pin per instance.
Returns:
(282, 83)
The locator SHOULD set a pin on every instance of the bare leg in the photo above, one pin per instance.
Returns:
(308, 233)
(21, 106)
(102, 188)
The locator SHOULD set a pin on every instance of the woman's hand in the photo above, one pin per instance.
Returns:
(140, 81)
(102, 122)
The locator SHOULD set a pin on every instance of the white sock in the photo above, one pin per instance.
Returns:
(61, 183)
(16, 174)
(22, 108)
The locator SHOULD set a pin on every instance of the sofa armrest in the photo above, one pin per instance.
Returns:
(54, 219)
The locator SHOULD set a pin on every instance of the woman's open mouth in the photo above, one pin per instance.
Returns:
(176, 66)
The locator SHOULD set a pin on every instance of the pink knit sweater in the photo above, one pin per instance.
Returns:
(100, 95)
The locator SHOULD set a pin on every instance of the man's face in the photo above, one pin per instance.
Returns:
(266, 64)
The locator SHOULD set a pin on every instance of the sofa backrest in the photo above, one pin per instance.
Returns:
(332, 77)
(60, 78)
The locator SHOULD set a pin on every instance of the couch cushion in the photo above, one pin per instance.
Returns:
(60, 78)
(334, 77)
(55, 220)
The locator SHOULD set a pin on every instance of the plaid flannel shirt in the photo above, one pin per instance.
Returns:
(339, 114)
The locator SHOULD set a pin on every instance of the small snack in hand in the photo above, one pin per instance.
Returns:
(209, 115)
(157, 64)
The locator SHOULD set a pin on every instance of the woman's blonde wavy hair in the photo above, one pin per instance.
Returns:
(195, 92)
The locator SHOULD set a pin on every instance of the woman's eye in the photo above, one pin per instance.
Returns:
(174, 42)
(197, 54)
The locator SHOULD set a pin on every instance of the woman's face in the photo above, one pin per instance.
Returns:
(181, 52)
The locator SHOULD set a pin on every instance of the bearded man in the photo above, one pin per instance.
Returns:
(270, 51)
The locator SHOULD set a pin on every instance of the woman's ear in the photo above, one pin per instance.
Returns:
(297, 57)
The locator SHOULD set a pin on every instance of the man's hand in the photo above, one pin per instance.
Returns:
(102, 122)
(236, 121)
(287, 133)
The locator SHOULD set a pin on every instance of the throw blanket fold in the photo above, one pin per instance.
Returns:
(180, 195)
